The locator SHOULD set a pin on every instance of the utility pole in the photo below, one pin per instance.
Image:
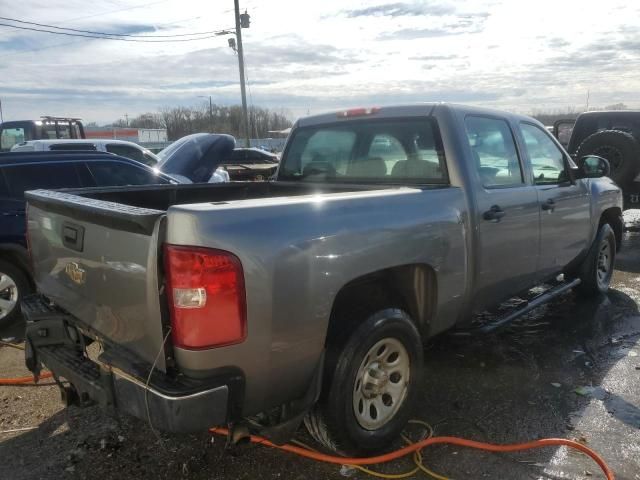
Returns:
(210, 112)
(1, 114)
(588, 92)
(245, 113)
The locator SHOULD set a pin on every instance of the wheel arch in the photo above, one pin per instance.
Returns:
(18, 256)
(613, 216)
(411, 287)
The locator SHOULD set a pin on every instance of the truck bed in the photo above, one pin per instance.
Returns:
(97, 251)
(161, 197)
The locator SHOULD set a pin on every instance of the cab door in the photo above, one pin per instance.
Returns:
(565, 226)
(507, 209)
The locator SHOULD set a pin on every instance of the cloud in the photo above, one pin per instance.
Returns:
(127, 29)
(431, 58)
(402, 9)
(463, 24)
(556, 42)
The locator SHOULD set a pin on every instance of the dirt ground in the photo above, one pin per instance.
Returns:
(569, 369)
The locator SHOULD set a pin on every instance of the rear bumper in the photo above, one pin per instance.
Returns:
(170, 404)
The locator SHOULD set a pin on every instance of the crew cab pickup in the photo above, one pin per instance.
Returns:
(260, 305)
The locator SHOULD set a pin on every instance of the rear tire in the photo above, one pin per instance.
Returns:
(370, 386)
(14, 285)
(597, 268)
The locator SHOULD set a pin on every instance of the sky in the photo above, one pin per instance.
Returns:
(313, 56)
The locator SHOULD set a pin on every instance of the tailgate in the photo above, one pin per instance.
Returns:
(98, 260)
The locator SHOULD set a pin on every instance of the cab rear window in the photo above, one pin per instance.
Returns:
(367, 151)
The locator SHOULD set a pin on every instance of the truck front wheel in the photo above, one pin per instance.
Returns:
(13, 286)
(371, 384)
(597, 268)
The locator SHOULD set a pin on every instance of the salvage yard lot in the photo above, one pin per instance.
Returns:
(531, 380)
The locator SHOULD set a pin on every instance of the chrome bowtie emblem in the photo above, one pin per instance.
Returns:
(75, 273)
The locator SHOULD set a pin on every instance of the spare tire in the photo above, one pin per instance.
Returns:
(620, 148)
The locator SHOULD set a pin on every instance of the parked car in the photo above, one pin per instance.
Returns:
(251, 164)
(196, 158)
(52, 170)
(18, 131)
(253, 155)
(614, 135)
(310, 296)
(118, 147)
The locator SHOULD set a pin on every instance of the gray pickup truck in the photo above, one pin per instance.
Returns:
(260, 305)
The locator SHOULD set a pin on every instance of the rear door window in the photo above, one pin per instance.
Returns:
(494, 152)
(126, 151)
(109, 174)
(21, 178)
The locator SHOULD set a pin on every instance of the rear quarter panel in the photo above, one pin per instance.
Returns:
(298, 252)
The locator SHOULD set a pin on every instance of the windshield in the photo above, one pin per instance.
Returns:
(367, 151)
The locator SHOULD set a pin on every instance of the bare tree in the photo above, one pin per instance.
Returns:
(181, 121)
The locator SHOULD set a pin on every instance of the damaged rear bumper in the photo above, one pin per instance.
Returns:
(171, 404)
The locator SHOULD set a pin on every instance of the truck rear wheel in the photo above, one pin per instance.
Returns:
(597, 268)
(371, 385)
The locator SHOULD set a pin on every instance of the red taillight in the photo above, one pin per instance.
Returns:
(205, 290)
(358, 112)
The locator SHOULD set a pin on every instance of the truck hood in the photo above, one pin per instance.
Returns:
(196, 156)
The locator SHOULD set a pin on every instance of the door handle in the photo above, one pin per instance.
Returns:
(495, 213)
(549, 205)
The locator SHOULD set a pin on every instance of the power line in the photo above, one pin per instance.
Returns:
(72, 42)
(215, 34)
(92, 32)
(124, 9)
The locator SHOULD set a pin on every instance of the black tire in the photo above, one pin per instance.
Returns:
(22, 288)
(621, 149)
(596, 276)
(333, 421)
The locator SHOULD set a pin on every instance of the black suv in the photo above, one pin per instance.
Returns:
(20, 172)
(614, 135)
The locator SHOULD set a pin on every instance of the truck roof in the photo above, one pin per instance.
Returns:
(409, 110)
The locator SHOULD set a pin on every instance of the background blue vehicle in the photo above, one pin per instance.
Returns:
(20, 172)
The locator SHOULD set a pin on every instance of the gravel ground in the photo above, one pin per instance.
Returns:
(515, 385)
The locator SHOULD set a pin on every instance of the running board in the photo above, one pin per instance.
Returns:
(527, 307)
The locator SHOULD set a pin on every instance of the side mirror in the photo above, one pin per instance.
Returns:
(593, 166)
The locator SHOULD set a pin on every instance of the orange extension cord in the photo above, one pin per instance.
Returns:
(24, 380)
(387, 457)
